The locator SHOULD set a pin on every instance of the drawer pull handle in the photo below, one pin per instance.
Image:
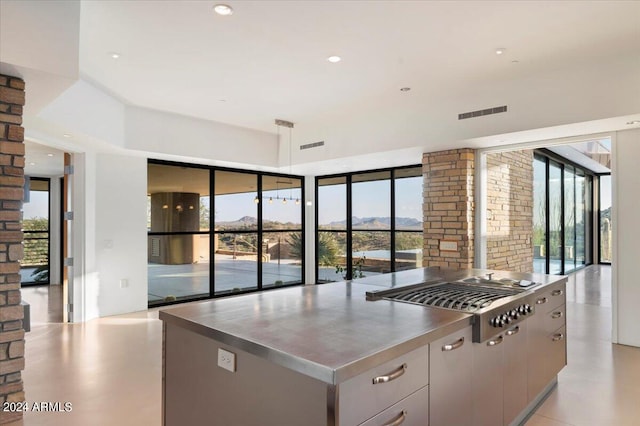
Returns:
(558, 337)
(495, 342)
(556, 315)
(557, 293)
(541, 301)
(513, 331)
(453, 346)
(398, 420)
(389, 377)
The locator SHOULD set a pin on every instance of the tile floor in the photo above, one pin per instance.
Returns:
(110, 368)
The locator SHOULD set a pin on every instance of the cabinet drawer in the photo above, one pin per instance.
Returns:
(557, 357)
(450, 384)
(555, 318)
(551, 297)
(371, 392)
(411, 411)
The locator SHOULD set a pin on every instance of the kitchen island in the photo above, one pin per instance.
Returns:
(316, 355)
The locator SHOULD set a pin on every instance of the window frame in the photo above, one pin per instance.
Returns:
(259, 230)
(349, 230)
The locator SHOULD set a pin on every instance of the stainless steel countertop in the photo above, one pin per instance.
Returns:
(329, 331)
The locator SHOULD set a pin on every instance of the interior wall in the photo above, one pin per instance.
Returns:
(626, 234)
(121, 233)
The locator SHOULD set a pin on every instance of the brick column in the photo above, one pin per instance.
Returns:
(448, 204)
(510, 211)
(11, 193)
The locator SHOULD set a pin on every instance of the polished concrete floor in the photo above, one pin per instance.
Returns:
(110, 369)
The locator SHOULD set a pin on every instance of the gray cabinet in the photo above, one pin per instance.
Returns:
(372, 392)
(515, 372)
(546, 339)
(450, 401)
(411, 411)
(488, 360)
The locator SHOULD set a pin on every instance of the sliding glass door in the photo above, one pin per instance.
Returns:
(561, 225)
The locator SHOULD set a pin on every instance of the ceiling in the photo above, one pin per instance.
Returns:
(268, 60)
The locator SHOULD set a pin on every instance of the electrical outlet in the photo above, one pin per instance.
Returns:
(227, 360)
(124, 283)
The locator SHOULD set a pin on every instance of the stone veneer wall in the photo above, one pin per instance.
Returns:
(12, 98)
(510, 211)
(448, 207)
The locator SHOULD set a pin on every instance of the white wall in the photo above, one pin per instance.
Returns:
(121, 233)
(626, 236)
(110, 238)
(167, 133)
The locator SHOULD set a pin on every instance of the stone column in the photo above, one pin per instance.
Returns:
(510, 211)
(12, 98)
(448, 203)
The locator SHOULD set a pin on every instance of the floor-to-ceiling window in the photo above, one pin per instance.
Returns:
(539, 215)
(604, 192)
(215, 231)
(562, 208)
(282, 243)
(555, 218)
(34, 266)
(368, 223)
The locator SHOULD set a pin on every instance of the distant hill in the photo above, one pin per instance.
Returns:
(357, 222)
(377, 223)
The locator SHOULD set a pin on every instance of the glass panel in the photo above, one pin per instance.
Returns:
(235, 203)
(331, 255)
(408, 250)
(281, 202)
(539, 216)
(236, 266)
(179, 198)
(580, 221)
(371, 253)
(569, 220)
(35, 225)
(371, 201)
(555, 219)
(332, 203)
(605, 220)
(281, 258)
(178, 267)
(408, 199)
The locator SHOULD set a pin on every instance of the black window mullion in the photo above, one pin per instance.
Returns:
(562, 220)
(547, 210)
(392, 239)
(259, 232)
(212, 235)
(349, 238)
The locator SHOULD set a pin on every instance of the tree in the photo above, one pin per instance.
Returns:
(327, 248)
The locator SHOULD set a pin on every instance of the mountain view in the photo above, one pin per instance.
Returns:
(376, 223)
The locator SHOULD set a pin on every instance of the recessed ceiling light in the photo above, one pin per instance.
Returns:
(114, 55)
(405, 89)
(500, 50)
(49, 155)
(223, 9)
(32, 164)
(67, 135)
(633, 122)
(334, 59)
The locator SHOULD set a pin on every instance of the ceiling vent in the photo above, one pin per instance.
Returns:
(312, 145)
(482, 112)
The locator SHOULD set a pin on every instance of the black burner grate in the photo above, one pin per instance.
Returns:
(460, 297)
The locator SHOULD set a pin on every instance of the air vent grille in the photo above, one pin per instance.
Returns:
(312, 145)
(482, 112)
